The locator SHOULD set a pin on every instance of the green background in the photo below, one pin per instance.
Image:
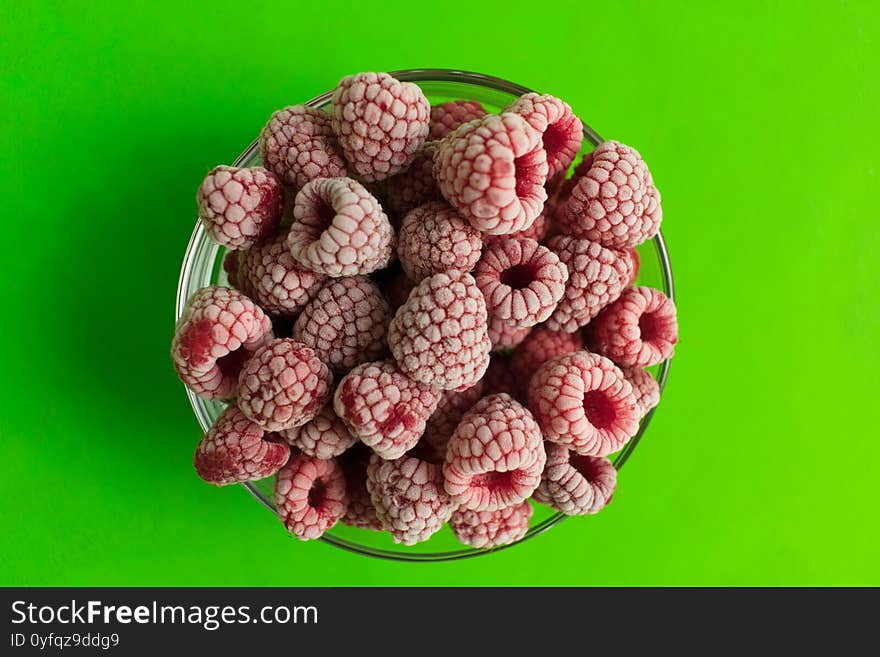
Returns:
(760, 123)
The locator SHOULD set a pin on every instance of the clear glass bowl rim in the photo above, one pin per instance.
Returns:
(198, 236)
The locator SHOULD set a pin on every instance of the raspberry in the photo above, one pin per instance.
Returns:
(499, 378)
(346, 323)
(596, 277)
(645, 388)
(453, 405)
(236, 449)
(615, 203)
(310, 496)
(561, 131)
(635, 264)
(324, 436)
(409, 497)
(361, 512)
(434, 239)
(339, 229)
(413, 186)
(640, 329)
(537, 231)
(495, 456)
(493, 171)
(439, 337)
(505, 335)
(298, 145)
(485, 529)
(521, 280)
(216, 333)
(283, 385)
(541, 345)
(573, 484)
(381, 123)
(239, 207)
(583, 401)
(448, 116)
(275, 280)
(384, 408)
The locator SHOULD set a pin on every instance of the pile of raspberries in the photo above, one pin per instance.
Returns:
(427, 321)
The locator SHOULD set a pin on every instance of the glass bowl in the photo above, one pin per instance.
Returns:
(202, 265)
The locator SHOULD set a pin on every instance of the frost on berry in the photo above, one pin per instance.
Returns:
(339, 229)
(239, 207)
(433, 238)
(645, 387)
(275, 280)
(573, 484)
(409, 497)
(495, 456)
(384, 408)
(541, 345)
(346, 323)
(493, 170)
(298, 145)
(217, 332)
(521, 281)
(640, 329)
(381, 123)
(583, 401)
(446, 117)
(635, 264)
(537, 231)
(504, 334)
(413, 186)
(486, 529)
(453, 405)
(361, 512)
(310, 496)
(615, 203)
(283, 385)
(324, 436)
(439, 337)
(236, 449)
(596, 277)
(561, 131)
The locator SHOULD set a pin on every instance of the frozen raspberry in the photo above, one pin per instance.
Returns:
(277, 282)
(495, 456)
(324, 436)
(346, 323)
(453, 405)
(409, 497)
(439, 336)
(446, 117)
(615, 203)
(640, 329)
(635, 264)
(298, 145)
(283, 385)
(573, 484)
(596, 277)
(339, 229)
(485, 529)
(434, 239)
(310, 496)
(505, 335)
(384, 408)
(582, 400)
(521, 280)
(537, 231)
(236, 449)
(239, 207)
(493, 171)
(381, 123)
(561, 131)
(217, 332)
(230, 266)
(397, 291)
(645, 388)
(499, 378)
(361, 512)
(541, 345)
(413, 186)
